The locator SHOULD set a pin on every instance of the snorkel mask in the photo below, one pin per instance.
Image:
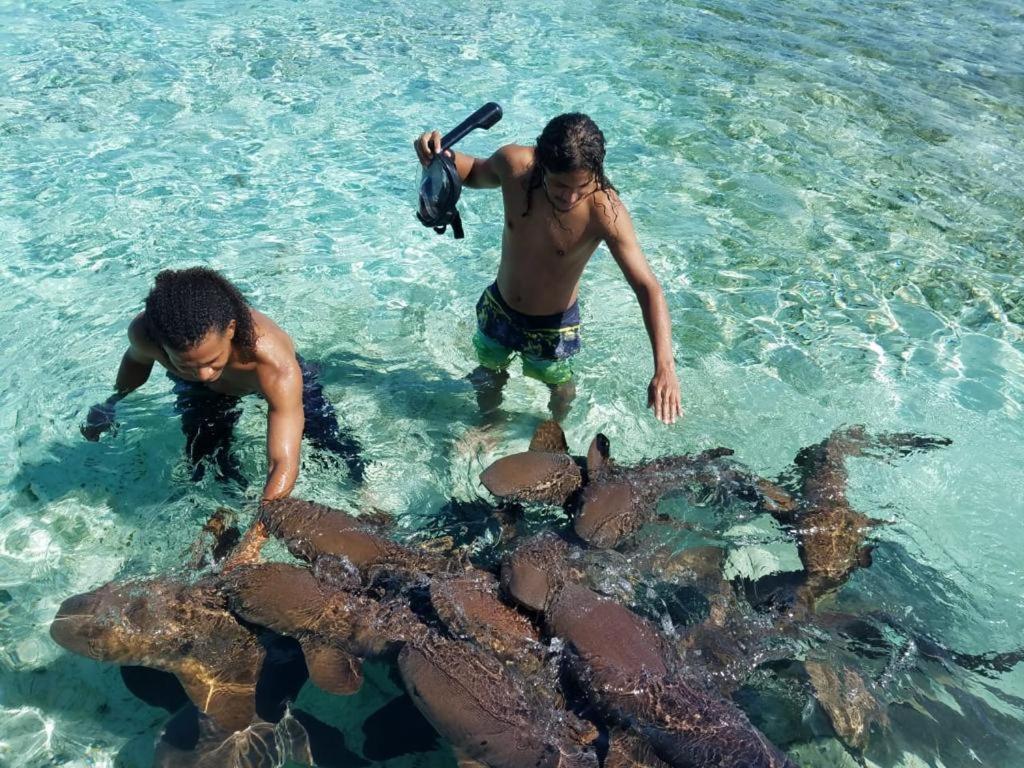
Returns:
(440, 187)
(440, 184)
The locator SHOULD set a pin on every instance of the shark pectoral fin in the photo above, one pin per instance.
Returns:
(231, 704)
(155, 687)
(247, 550)
(463, 760)
(549, 438)
(259, 744)
(332, 669)
(598, 454)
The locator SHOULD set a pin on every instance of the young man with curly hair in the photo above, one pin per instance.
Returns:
(216, 349)
(559, 206)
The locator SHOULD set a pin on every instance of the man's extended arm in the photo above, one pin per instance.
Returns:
(663, 391)
(136, 365)
(475, 172)
(285, 421)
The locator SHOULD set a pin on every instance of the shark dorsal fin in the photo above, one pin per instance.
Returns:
(548, 437)
(598, 455)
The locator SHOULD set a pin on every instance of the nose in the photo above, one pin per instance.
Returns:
(206, 374)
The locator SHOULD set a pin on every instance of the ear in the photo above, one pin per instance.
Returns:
(229, 332)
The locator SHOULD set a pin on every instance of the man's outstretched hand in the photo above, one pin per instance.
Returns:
(98, 421)
(663, 396)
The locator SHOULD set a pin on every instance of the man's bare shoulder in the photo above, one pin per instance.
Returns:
(138, 338)
(274, 347)
(609, 213)
(276, 365)
(515, 160)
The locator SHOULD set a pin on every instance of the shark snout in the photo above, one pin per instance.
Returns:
(74, 625)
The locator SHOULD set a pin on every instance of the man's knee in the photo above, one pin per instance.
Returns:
(553, 372)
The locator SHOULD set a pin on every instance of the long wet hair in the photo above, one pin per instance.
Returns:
(570, 142)
(187, 304)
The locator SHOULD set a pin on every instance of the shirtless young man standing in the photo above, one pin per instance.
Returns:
(559, 206)
(216, 349)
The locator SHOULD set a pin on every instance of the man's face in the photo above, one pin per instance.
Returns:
(566, 190)
(205, 361)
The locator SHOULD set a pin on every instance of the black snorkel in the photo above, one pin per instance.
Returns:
(440, 184)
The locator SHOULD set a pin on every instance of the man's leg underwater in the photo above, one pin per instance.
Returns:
(491, 375)
(557, 374)
(322, 426)
(208, 420)
(488, 385)
(562, 396)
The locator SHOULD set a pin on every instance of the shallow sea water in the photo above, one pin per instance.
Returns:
(831, 195)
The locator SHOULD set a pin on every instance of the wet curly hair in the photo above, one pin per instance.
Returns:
(570, 142)
(187, 304)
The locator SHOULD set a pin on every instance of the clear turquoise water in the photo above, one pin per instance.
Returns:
(830, 194)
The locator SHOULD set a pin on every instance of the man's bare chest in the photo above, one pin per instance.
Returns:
(233, 382)
(563, 239)
(238, 384)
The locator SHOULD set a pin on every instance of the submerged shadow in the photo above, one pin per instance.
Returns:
(415, 391)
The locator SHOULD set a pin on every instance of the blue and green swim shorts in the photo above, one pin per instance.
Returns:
(545, 342)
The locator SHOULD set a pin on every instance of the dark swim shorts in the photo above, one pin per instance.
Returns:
(545, 342)
(208, 419)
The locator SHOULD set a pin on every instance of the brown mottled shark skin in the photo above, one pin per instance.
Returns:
(624, 666)
(628, 750)
(847, 701)
(830, 533)
(335, 626)
(549, 437)
(469, 605)
(484, 708)
(545, 473)
(184, 629)
(617, 501)
(218, 536)
(469, 694)
(311, 530)
(533, 476)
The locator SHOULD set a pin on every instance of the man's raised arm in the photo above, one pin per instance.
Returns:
(475, 172)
